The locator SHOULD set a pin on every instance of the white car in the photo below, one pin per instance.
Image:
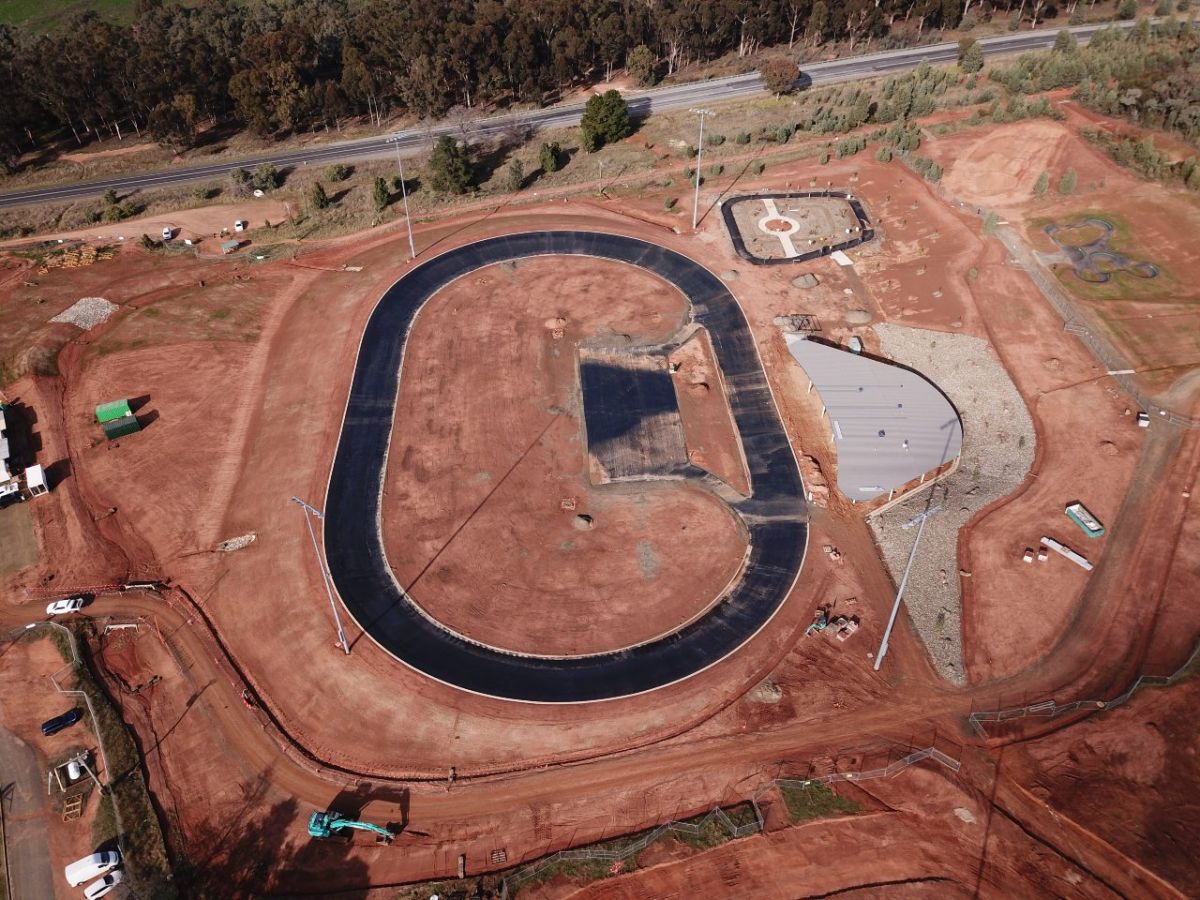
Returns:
(102, 886)
(66, 605)
(90, 866)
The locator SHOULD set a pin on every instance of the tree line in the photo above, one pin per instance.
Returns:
(279, 66)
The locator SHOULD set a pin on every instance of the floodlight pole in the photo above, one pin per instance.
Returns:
(412, 248)
(309, 512)
(887, 632)
(702, 113)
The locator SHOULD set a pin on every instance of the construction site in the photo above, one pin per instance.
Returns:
(583, 556)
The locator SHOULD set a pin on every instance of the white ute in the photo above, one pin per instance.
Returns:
(90, 866)
(66, 605)
(102, 886)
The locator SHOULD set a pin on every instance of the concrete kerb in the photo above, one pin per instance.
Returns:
(8, 888)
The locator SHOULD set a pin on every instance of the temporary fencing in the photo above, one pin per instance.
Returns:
(607, 853)
(1050, 709)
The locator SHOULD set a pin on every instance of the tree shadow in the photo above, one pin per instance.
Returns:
(266, 851)
(216, 135)
(335, 199)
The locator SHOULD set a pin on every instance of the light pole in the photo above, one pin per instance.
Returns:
(309, 512)
(412, 248)
(702, 113)
(887, 633)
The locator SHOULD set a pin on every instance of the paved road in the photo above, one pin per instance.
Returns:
(659, 100)
(25, 835)
(775, 514)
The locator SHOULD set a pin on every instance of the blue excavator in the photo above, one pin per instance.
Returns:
(326, 824)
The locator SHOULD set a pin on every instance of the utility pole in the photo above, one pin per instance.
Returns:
(412, 248)
(887, 633)
(309, 513)
(702, 113)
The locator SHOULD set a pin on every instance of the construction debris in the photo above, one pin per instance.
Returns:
(87, 313)
(1066, 551)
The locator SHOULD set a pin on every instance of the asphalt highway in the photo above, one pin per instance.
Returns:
(775, 513)
(642, 103)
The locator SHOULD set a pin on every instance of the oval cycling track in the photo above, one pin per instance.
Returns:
(775, 513)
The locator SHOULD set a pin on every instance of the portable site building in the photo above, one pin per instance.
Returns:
(114, 409)
(115, 428)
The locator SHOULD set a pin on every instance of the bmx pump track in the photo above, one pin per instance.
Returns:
(774, 513)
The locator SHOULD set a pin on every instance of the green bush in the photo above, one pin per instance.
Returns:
(758, 167)
(742, 138)
(714, 140)
(825, 158)
(337, 172)
(716, 169)
(669, 203)
(1066, 184)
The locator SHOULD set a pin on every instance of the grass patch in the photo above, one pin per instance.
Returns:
(51, 14)
(806, 802)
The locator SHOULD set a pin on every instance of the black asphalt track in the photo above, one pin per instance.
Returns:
(775, 514)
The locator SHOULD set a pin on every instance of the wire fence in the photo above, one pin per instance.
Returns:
(619, 854)
(1049, 709)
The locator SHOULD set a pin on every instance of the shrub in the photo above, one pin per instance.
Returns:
(1066, 184)
(716, 169)
(758, 167)
(514, 178)
(669, 203)
(380, 195)
(265, 177)
(825, 158)
(1127, 9)
(337, 172)
(549, 157)
(715, 140)
(742, 138)
(318, 197)
(1042, 184)
(884, 155)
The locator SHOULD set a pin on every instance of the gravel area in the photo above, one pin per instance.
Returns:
(87, 313)
(998, 449)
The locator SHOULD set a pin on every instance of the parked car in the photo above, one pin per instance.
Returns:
(102, 886)
(58, 723)
(90, 866)
(66, 605)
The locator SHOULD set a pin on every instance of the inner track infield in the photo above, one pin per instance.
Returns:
(774, 514)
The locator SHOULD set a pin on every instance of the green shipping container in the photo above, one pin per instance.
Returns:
(116, 409)
(120, 427)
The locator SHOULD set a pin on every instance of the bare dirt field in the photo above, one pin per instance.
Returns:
(708, 428)
(1154, 321)
(249, 383)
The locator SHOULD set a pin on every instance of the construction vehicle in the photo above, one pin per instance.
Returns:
(820, 623)
(325, 824)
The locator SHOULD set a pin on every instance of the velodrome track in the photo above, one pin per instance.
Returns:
(775, 513)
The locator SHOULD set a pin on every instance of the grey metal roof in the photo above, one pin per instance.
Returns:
(890, 425)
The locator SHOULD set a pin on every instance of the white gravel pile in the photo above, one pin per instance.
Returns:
(998, 449)
(87, 313)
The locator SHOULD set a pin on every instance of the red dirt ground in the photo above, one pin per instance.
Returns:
(708, 740)
(487, 445)
(997, 168)
(708, 427)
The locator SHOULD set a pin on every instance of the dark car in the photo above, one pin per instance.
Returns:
(58, 723)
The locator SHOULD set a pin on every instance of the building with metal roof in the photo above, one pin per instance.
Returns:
(890, 425)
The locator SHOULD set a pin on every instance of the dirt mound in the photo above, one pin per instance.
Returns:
(999, 167)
